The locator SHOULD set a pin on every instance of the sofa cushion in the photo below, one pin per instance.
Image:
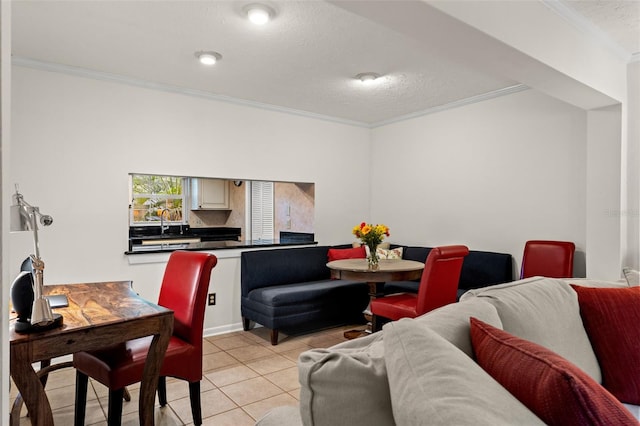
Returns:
(485, 268)
(544, 311)
(553, 388)
(392, 253)
(611, 317)
(346, 253)
(432, 382)
(419, 254)
(291, 294)
(346, 384)
(589, 282)
(264, 268)
(452, 321)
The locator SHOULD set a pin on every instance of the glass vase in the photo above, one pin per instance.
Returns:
(373, 260)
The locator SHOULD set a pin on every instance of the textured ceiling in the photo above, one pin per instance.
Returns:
(619, 20)
(305, 59)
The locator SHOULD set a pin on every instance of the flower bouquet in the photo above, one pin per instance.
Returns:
(371, 236)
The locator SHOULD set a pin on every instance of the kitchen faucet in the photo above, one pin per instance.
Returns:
(162, 228)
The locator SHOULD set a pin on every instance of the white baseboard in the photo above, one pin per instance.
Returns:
(223, 329)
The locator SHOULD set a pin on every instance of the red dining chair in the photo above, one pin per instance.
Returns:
(438, 286)
(184, 289)
(552, 259)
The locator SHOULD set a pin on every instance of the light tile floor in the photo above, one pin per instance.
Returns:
(244, 377)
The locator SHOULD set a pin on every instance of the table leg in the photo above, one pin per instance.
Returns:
(30, 387)
(376, 290)
(43, 374)
(149, 383)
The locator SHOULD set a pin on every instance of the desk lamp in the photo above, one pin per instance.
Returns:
(24, 217)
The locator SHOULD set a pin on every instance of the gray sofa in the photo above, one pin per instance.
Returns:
(291, 289)
(422, 371)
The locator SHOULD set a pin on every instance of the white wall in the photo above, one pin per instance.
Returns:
(76, 139)
(604, 193)
(631, 170)
(5, 134)
(490, 175)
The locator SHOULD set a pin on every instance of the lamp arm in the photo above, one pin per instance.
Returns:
(37, 263)
(32, 212)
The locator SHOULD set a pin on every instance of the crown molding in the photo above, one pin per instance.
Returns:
(455, 104)
(131, 81)
(120, 79)
(586, 26)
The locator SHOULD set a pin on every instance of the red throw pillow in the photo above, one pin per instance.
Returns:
(348, 253)
(553, 388)
(611, 317)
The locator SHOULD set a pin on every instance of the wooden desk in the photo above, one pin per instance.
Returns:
(389, 270)
(98, 315)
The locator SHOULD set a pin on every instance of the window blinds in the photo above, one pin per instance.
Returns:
(261, 210)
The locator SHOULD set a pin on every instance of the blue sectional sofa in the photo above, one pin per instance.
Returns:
(291, 289)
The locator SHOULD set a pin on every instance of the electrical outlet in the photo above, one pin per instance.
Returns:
(212, 299)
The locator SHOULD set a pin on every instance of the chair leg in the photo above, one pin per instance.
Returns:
(82, 381)
(127, 395)
(194, 396)
(162, 390)
(274, 336)
(246, 324)
(377, 322)
(114, 415)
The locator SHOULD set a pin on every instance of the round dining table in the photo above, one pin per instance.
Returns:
(388, 270)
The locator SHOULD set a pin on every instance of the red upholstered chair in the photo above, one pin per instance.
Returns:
(438, 286)
(552, 259)
(184, 289)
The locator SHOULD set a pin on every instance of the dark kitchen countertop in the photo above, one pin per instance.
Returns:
(167, 246)
(214, 233)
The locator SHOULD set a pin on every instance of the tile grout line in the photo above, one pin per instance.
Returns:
(257, 342)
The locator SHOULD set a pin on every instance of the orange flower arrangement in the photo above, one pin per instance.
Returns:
(371, 236)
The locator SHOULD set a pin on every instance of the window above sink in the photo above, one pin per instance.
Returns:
(155, 199)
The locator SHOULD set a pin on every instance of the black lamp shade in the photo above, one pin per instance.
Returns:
(22, 295)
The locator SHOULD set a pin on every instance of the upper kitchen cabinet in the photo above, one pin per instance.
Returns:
(209, 194)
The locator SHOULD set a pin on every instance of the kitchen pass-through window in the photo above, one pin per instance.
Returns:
(153, 197)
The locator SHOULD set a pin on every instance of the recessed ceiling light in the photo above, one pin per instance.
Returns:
(208, 58)
(259, 14)
(367, 77)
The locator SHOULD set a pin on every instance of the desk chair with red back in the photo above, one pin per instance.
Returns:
(552, 259)
(184, 288)
(438, 286)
